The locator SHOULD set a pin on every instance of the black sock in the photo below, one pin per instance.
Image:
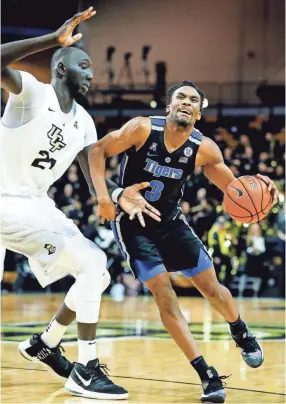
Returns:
(200, 367)
(237, 326)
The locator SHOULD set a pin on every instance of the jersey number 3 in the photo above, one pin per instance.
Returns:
(44, 161)
(155, 193)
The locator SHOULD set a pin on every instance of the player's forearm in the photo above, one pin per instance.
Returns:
(111, 188)
(104, 188)
(13, 51)
(83, 159)
(219, 174)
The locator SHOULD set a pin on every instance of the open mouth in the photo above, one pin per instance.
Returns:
(185, 112)
(85, 87)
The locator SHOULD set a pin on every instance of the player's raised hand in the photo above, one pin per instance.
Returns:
(106, 209)
(133, 203)
(65, 35)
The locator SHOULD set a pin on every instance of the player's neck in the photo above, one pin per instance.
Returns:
(64, 97)
(175, 135)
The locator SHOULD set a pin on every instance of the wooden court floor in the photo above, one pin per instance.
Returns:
(140, 355)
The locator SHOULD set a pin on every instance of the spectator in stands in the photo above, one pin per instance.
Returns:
(280, 223)
(203, 214)
(73, 178)
(222, 244)
(255, 251)
(186, 210)
(66, 198)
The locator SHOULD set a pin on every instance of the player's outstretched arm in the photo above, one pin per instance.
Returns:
(133, 134)
(210, 157)
(84, 165)
(13, 51)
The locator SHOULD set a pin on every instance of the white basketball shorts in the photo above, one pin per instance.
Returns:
(35, 228)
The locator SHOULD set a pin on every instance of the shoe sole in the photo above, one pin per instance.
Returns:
(214, 399)
(76, 390)
(22, 351)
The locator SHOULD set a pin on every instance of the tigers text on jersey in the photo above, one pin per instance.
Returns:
(166, 172)
(34, 155)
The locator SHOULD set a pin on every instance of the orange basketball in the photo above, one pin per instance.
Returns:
(247, 199)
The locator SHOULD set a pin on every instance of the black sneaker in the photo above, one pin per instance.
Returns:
(213, 389)
(34, 349)
(90, 381)
(251, 353)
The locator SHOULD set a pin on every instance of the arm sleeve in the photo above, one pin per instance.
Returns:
(22, 108)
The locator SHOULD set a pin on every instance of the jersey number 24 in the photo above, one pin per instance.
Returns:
(45, 161)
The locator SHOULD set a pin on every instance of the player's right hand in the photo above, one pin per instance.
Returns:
(65, 35)
(133, 203)
(106, 209)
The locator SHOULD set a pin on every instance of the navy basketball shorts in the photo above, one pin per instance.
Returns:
(171, 245)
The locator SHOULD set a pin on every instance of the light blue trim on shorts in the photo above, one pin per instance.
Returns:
(146, 270)
(204, 263)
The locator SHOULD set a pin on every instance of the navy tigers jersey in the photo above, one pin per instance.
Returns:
(166, 172)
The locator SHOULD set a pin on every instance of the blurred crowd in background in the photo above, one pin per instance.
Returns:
(254, 253)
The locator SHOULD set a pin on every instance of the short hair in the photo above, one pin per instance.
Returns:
(185, 83)
(63, 53)
(59, 55)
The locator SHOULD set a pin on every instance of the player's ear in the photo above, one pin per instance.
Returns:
(199, 116)
(167, 109)
(61, 69)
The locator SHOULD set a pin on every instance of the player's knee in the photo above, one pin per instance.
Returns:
(158, 283)
(93, 259)
(165, 298)
(213, 291)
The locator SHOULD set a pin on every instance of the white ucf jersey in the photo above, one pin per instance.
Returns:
(38, 144)
(37, 152)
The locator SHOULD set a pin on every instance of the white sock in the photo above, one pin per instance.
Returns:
(53, 334)
(86, 351)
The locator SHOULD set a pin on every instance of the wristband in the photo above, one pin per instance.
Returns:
(116, 194)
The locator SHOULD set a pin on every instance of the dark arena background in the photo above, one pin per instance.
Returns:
(235, 52)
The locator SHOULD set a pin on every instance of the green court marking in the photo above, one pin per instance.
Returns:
(113, 329)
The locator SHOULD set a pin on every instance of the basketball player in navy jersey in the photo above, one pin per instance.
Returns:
(164, 151)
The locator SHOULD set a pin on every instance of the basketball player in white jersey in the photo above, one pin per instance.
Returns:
(42, 130)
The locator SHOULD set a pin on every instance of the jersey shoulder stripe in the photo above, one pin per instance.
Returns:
(158, 121)
(196, 137)
(196, 134)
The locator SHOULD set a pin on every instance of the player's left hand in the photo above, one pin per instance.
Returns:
(106, 209)
(65, 35)
(271, 187)
(133, 203)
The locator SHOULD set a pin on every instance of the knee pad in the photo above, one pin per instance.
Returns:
(70, 299)
(90, 279)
